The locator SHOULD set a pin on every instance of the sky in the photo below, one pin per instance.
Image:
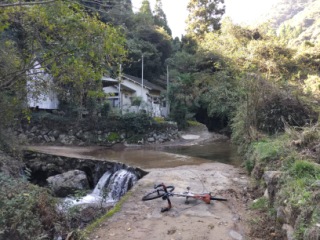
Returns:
(240, 11)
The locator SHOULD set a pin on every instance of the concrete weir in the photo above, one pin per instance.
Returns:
(44, 165)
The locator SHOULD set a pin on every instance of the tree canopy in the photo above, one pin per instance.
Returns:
(160, 18)
(204, 16)
(52, 35)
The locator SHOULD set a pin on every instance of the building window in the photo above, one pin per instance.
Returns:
(164, 104)
(114, 102)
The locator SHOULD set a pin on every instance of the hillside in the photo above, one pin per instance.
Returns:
(297, 21)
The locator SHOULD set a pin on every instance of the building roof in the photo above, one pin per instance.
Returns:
(146, 83)
(108, 81)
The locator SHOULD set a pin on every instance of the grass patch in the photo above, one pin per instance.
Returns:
(89, 229)
(297, 187)
(296, 192)
(259, 204)
(294, 154)
(305, 169)
(266, 151)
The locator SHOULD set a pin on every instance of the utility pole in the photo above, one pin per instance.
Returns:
(167, 100)
(119, 88)
(142, 79)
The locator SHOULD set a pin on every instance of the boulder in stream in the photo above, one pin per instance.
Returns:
(68, 183)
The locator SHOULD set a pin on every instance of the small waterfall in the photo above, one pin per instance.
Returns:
(110, 188)
(102, 182)
(120, 182)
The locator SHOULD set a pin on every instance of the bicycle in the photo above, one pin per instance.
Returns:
(166, 192)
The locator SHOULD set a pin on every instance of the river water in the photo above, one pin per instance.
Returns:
(173, 156)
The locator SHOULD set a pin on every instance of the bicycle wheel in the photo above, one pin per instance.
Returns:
(157, 193)
(218, 199)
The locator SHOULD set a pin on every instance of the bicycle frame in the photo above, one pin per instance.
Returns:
(206, 197)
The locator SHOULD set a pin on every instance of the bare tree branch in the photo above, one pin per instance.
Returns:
(3, 5)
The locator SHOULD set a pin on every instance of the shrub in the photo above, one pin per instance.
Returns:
(310, 135)
(136, 101)
(113, 137)
(136, 123)
(105, 109)
(249, 165)
(159, 119)
(193, 123)
(27, 211)
(312, 85)
(58, 121)
(240, 132)
(277, 108)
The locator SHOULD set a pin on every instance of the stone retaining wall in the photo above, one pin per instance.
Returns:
(49, 135)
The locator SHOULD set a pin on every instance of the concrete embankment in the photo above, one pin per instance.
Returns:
(219, 220)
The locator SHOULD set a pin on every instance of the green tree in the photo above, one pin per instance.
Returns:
(160, 18)
(145, 13)
(117, 12)
(150, 40)
(52, 35)
(183, 97)
(155, 45)
(204, 16)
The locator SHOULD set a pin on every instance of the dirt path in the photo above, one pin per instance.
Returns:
(197, 220)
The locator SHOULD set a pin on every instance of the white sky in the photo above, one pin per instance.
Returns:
(240, 11)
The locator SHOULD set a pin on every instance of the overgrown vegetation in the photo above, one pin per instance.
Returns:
(294, 153)
(27, 211)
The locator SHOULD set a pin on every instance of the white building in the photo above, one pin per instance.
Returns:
(40, 89)
(130, 94)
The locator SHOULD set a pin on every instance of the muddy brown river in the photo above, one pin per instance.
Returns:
(154, 157)
(175, 156)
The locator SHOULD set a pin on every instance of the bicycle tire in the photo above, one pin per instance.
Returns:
(218, 199)
(157, 193)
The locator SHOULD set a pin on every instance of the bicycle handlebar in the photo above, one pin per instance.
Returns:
(159, 185)
(164, 187)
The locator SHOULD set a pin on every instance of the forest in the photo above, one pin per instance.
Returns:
(259, 85)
